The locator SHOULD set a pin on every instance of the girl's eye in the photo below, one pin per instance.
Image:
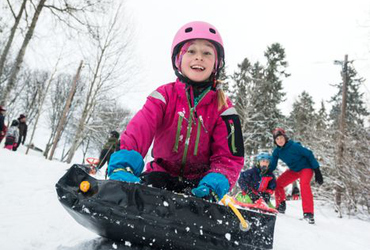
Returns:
(207, 53)
(191, 51)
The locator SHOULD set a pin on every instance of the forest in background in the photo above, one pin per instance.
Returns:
(77, 103)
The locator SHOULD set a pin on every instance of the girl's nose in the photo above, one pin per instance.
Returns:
(199, 56)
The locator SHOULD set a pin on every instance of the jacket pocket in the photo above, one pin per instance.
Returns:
(178, 131)
(199, 128)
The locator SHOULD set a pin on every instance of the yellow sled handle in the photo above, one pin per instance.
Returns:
(227, 201)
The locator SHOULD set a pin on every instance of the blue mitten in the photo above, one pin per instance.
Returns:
(124, 176)
(201, 191)
(125, 165)
(212, 182)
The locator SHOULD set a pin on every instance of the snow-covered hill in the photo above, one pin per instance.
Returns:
(32, 218)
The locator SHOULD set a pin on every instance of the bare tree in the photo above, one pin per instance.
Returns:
(109, 46)
(108, 116)
(6, 50)
(40, 105)
(63, 10)
(65, 111)
(32, 93)
(17, 65)
(58, 96)
(14, 106)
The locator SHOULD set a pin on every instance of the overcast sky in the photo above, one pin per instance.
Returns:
(314, 34)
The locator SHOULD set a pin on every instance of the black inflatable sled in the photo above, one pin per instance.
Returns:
(156, 218)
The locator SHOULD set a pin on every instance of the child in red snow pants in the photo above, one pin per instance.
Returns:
(288, 177)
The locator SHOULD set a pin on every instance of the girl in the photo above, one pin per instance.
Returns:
(12, 136)
(301, 163)
(257, 182)
(198, 145)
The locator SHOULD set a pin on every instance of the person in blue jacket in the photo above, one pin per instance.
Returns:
(257, 182)
(302, 164)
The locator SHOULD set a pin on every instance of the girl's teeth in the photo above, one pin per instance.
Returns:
(197, 67)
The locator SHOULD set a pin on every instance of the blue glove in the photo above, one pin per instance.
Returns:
(215, 182)
(124, 176)
(201, 191)
(125, 165)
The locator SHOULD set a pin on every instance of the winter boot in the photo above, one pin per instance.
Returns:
(309, 217)
(282, 207)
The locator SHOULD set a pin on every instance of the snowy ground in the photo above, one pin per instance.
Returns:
(31, 216)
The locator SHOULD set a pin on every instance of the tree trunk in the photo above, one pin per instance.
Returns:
(81, 126)
(342, 129)
(90, 98)
(11, 37)
(19, 60)
(40, 106)
(104, 43)
(85, 150)
(65, 111)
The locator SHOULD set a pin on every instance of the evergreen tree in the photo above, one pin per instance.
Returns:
(240, 96)
(302, 117)
(267, 93)
(257, 121)
(257, 91)
(241, 79)
(321, 119)
(356, 111)
(321, 138)
(224, 79)
(351, 178)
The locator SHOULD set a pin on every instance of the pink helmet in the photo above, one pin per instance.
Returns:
(198, 30)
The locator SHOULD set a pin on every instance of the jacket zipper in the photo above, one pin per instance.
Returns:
(188, 134)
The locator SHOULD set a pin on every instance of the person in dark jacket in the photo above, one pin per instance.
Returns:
(12, 136)
(257, 182)
(111, 146)
(302, 164)
(2, 123)
(22, 131)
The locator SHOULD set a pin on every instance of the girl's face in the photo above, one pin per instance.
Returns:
(198, 62)
(280, 140)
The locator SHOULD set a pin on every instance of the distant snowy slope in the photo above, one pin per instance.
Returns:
(31, 216)
(328, 233)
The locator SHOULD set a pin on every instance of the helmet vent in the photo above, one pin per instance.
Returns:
(187, 30)
(212, 30)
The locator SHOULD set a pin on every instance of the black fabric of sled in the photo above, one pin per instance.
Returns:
(142, 215)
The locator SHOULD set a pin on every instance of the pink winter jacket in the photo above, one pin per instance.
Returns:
(187, 142)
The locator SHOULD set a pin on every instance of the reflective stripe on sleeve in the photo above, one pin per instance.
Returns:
(155, 94)
(229, 111)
